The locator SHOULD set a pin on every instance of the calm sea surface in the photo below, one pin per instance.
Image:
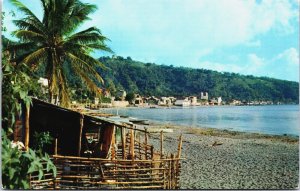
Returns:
(273, 119)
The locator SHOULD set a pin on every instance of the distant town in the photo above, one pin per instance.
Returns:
(137, 100)
(122, 99)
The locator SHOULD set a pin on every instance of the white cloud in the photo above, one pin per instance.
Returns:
(285, 65)
(174, 31)
(207, 22)
(289, 56)
(181, 32)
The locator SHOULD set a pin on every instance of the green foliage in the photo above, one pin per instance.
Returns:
(16, 87)
(160, 80)
(55, 44)
(17, 165)
(129, 97)
(42, 140)
(105, 100)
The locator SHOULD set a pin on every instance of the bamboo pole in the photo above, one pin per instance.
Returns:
(109, 160)
(152, 153)
(27, 113)
(132, 143)
(161, 143)
(139, 146)
(172, 171)
(179, 147)
(178, 155)
(55, 146)
(123, 142)
(146, 143)
(80, 133)
(113, 142)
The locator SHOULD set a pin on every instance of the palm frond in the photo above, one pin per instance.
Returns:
(24, 9)
(36, 56)
(27, 35)
(28, 25)
(63, 88)
(20, 46)
(86, 67)
(87, 80)
(85, 38)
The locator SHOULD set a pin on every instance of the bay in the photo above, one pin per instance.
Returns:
(270, 119)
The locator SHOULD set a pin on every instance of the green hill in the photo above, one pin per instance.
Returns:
(160, 80)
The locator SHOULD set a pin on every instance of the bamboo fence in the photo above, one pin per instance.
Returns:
(132, 164)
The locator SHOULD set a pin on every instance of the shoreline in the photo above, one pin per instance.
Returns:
(218, 159)
(225, 127)
(222, 132)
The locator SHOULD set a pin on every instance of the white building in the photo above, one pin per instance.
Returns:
(219, 100)
(193, 100)
(183, 103)
(204, 96)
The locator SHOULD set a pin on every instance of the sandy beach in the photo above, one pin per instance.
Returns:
(220, 159)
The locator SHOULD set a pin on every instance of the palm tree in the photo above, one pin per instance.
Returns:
(54, 43)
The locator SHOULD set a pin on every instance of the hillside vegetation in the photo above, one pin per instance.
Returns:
(160, 80)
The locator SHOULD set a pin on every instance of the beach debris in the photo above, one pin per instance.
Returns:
(216, 143)
(158, 130)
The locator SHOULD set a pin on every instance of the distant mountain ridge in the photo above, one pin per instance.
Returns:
(160, 80)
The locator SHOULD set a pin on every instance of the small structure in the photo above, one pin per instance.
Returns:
(219, 100)
(213, 102)
(204, 96)
(193, 100)
(96, 101)
(119, 103)
(152, 100)
(235, 102)
(138, 100)
(183, 103)
(99, 153)
(165, 101)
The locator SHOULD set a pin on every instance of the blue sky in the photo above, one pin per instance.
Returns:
(255, 37)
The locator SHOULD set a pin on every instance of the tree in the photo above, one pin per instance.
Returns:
(130, 97)
(17, 83)
(53, 42)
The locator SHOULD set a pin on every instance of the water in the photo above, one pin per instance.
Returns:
(273, 119)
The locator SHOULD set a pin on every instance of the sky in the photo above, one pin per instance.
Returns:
(251, 37)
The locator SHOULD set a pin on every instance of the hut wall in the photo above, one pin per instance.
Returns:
(62, 124)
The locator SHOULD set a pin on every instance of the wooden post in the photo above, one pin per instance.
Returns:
(178, 157)
(161, 143)
(139, 146)
(152, 153)
(179, 147)
(27, 128)
(132, 143)
(146, 144)
(80, 133)
(172, 172)
(55, 147)
(123, 142)
(113, 143)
